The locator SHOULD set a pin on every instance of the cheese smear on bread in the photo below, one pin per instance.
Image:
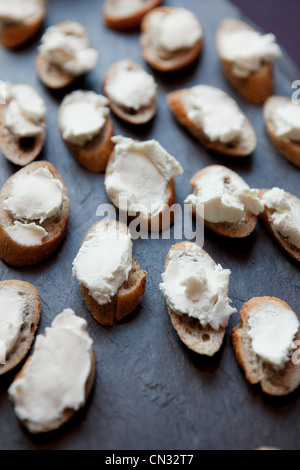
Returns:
(82, 117)
(19, 11)
(194, 285)
(140, 174)
(12, 306)
(247, 50)
(225, 196)
(54, 380)
(286, 120)
(285, 214)
(272, 327)
(104, 261)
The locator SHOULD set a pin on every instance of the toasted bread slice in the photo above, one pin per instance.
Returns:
(94, 154)
(128, 297)
(259, 85)
(160, 220)
(273, 382)
(265, 217)
(143, 115)
(205, 341)
(31, 320)
(52, 76)
(288, 148)
(39, 428)
(175, 61)
(19, 255)
(14, 35)
(240, 230)
(120, 20)
(242, 147)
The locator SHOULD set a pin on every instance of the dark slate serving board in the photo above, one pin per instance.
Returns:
(151, 392)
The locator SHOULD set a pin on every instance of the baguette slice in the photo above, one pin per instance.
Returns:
(240, 230)
(128, 297)
(14, 35)
(160, 220)
(93, 155)
(265, 217)
(288, 148)
(273, 382)
(122, 21)
(20, 151)
(32, 314)
(259, 85)
(18, 255)
(205, 341)
(140, 117)
(178, 60)
(243, 147)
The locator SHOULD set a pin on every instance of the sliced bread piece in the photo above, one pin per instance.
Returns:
(266, 218)
(160, 58)
(273, 381)
(15, 33)
(14, 252)
(43, 425)
(130, 292)
(89, 142)
(122, 15)
(288, 148)
(203, 340)
(31, 318)
(258, 86)
(241, 146)
(247, 223)
(141, 114)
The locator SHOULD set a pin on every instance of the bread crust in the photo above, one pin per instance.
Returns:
(205, 341)
(243, 147)
(11, 145)
(93, 155)
(273, 382)
(179, 60)
(265, 217)
(56, 226)
(31, 321)
(128, 296)
(127, 22)
(39, 428)
(259, 85)
(159, 220)
(142, 116)
(288, 148)
(15, 35)
(226, 229)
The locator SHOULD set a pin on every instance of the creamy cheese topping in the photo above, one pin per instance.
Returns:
(248, 50)
(175, 30)
(286, 119)
(12, 306)
(25, 111)
(54, 380)
(272, 328)
(67, 46)
(19, 11)
(104, 261)
(225, 196)
(194, 285)
(132, 89)
(215, 113)
(26, 234)
(125, 8)
(285, 215)
(140, 175)
(82, 117)
(35, 196)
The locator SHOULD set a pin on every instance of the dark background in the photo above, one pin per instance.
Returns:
(151, 392)
(280, 17)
